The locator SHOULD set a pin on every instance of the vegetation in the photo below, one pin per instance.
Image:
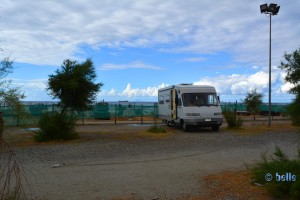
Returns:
(294, 112)
(292, 68)
(74, 86)
(11, 96)
(12, 175)
(281, 184)
(56, 127)
(156, 129)
(253, 101)
(232, 120)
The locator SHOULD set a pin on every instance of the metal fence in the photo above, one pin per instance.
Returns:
(101, 111)
(114, 111)
(277, 108)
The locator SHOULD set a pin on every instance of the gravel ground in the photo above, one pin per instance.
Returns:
(99, 166)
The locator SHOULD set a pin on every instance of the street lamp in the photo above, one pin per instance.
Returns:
(272, 9)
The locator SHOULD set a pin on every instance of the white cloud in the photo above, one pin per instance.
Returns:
(129, 92)
(34, 90)
(237, 84)
(194, 59)
(230, 87)
(47, 32)
(286, 87)
(135, 65)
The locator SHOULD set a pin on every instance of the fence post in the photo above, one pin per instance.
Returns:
(142, 112)
(115, 113)
(235, 110)
(82, 117)
(52, 109)
(1, 126)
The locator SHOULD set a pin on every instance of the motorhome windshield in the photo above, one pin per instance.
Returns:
(199, 99)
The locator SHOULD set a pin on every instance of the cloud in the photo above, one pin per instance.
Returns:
(230, 87)
(194, 59)
(240, 84)
(129, 92)
(47, 32)
(34, 89)
(134, 65)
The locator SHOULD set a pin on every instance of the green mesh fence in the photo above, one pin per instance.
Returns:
(275, 107)
(100, 111)
(107, 111)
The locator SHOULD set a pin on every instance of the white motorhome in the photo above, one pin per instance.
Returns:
(190, 105)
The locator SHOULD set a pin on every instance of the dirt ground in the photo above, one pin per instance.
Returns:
(124, 161)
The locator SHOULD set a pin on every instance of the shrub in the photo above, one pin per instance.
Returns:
(56, 127)
(294, 112)
(156, 129)
(281, 164)
(232, 120)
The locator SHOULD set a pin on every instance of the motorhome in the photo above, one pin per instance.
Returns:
(188, 105)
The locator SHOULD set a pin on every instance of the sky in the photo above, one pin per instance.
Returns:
(140, 46)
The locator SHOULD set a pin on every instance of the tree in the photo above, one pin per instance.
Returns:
(10, 95)
(74, 85)
(292, 68)
(12, 177)
(253, 100)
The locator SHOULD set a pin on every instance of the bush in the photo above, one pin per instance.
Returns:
(232, 120)
(156, 129)
(282, 165)
(56, 127)
(294, 112)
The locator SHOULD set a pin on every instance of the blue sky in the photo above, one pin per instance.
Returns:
(140, 46)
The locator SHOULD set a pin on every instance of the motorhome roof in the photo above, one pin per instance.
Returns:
(188, 86)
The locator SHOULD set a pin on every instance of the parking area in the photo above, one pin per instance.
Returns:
(124, 161)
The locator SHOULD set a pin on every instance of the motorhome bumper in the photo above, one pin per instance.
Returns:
(204, 122)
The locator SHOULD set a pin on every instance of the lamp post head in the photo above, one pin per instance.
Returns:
(272, 9)
(264, 8)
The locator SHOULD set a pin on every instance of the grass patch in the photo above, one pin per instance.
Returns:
(156, 129)
(254, 129)
(278, 165)
(231, 185)
(56, 127)
(232, 120)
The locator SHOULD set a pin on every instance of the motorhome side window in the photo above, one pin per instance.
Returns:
(161, 99)
(167, 98)
(199, 99)
(212, 99)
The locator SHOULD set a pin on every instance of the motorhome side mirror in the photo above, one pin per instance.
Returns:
(218, 98)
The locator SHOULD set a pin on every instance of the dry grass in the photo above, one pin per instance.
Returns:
(260, 128)
(226, 185)
(134, 135)
(231, 185)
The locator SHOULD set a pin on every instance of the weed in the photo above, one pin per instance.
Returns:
(56, 127)
(156, 129)
(277, 165)
(232, 120)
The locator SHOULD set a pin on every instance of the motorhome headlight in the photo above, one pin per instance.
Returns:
(192, 114)
(218, 113)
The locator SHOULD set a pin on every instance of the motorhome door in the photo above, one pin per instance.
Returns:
(173, 104)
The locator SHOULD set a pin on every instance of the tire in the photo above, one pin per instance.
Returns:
(215, 128)
(185, 127)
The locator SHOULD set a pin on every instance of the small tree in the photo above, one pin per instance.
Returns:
(253, 101)
(12, 176)
(292, 67)
(10, 95)
(74, 85)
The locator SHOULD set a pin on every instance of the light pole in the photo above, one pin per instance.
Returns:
(272, 9)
